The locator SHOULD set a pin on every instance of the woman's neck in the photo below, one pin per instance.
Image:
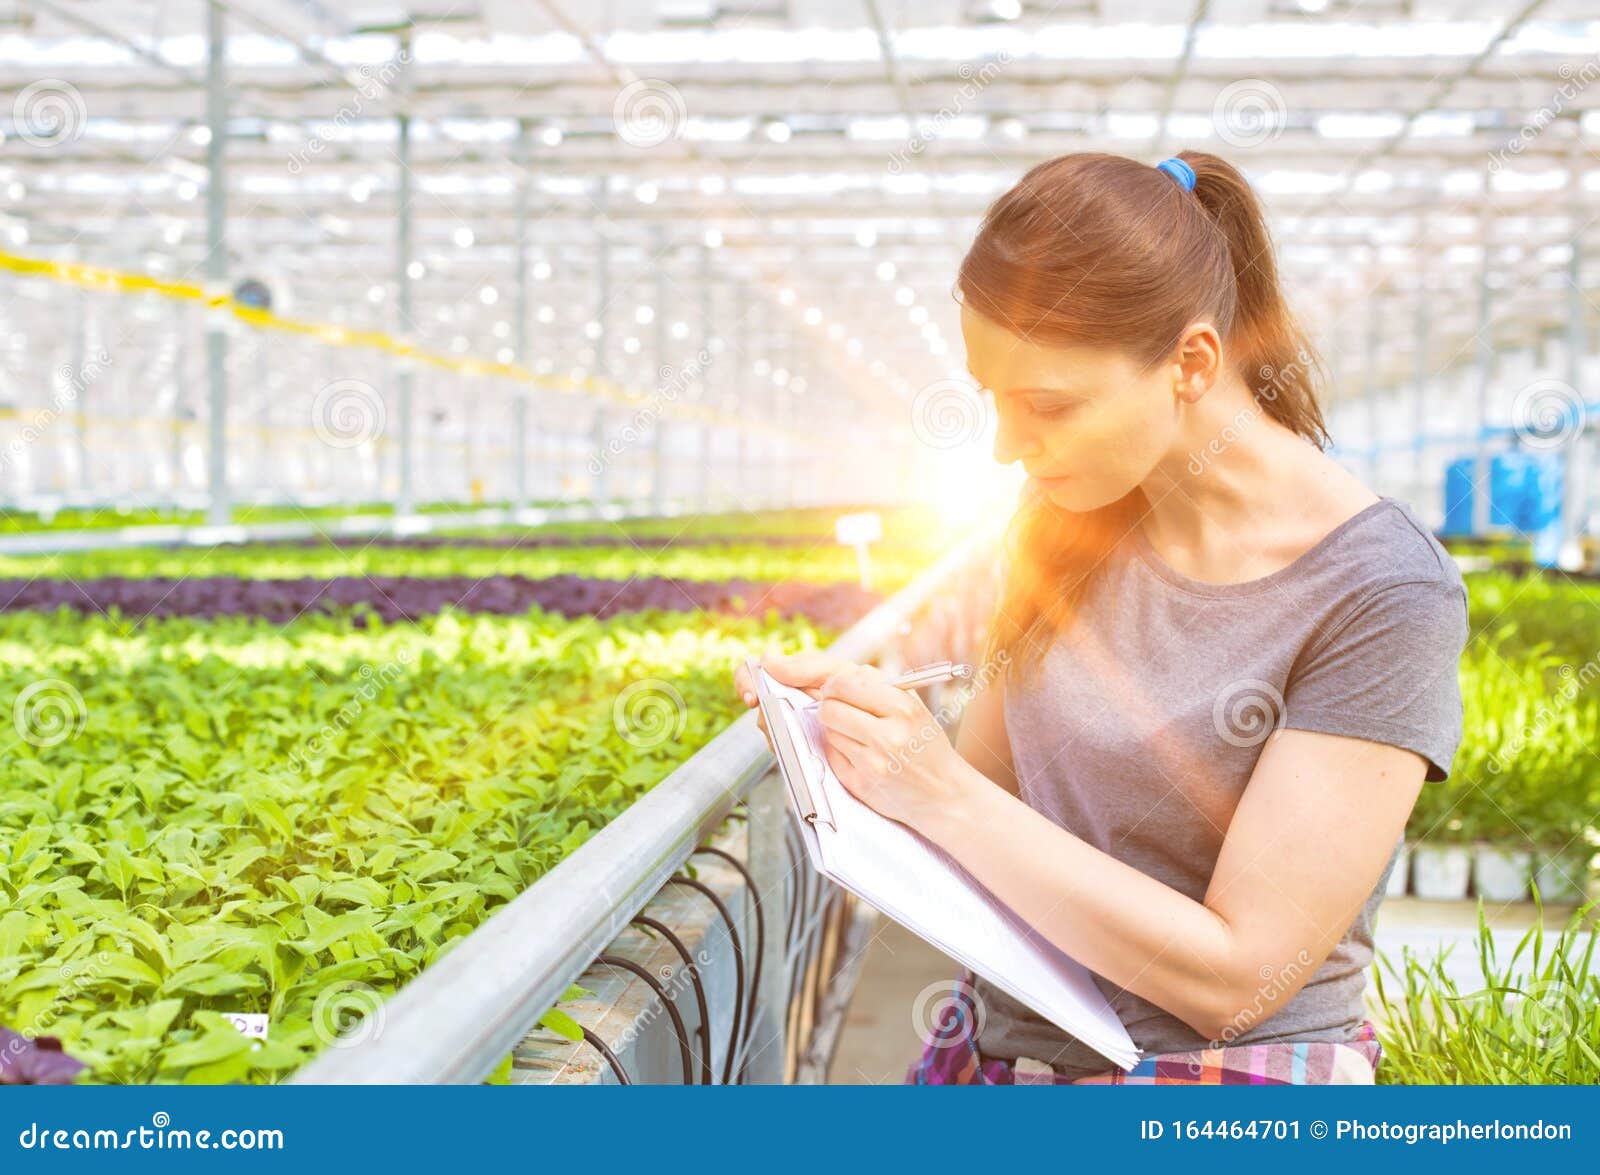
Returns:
(1241, 495)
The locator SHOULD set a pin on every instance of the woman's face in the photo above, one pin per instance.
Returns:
(1088, 423)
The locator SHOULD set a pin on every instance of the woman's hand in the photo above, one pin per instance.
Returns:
(804, 671)
(889, 751)
(882, 743)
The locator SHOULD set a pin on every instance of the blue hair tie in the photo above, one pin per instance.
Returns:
(1178, 170)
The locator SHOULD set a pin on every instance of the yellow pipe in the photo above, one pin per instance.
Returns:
(96, 277)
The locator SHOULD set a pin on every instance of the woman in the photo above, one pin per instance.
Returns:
(1228, 666)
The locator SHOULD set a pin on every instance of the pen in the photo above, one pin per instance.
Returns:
(931, 674)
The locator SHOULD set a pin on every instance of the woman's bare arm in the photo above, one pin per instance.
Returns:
(1305, 847)
(981, 737)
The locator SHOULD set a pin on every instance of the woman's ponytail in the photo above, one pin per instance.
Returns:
(1272, 354)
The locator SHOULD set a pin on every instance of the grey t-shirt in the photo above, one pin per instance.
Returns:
(1145, 720)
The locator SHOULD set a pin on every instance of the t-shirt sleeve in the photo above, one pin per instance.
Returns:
(1389, 673)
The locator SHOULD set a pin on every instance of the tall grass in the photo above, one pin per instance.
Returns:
(1535, 1021)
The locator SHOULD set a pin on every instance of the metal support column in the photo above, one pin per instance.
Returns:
(519, 452)
(405, 500)
(743, 446)
(1578, 449)
(787, 415)
(665, 376)
(78, 394)
(600, 494)
(219, 508)
(1420, 375)
(519, 403)
(762, 405)
(1484, 374)
(1369, 392)
(704, 365)
(180, 396)
(768, 854)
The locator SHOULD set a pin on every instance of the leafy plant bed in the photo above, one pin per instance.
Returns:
(535, 540)
(112, 517)
(1518, 613)
(1497, 547)
(821, 564)
(406, 598)
(901, 524)
(204, 819)
(1526, 775)
(814, 522)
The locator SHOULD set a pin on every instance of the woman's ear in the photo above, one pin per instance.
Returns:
(1199, 361)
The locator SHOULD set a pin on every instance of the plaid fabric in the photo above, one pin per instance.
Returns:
(951, 1057)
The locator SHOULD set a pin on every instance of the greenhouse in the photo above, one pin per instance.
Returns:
(799, 543)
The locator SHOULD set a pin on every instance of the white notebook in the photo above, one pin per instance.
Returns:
(920, 886)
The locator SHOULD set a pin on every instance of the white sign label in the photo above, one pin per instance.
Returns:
(855, 529)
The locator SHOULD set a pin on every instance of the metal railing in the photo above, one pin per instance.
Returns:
(460, 1018)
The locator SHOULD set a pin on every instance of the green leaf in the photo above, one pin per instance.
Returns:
(562, 1024)
(272, 817)
(219, 1041)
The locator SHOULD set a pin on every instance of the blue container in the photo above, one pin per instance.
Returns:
(1508, 477)
(1460, 496)
(1543, 501)
(1544, 490)
(1525, 493)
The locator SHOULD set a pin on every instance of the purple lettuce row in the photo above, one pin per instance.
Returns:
(39, 1061)
(395, 598)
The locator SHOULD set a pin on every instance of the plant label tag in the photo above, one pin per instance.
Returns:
(251, 1024)
(854, 530)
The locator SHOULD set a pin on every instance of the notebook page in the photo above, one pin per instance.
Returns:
(919, 885)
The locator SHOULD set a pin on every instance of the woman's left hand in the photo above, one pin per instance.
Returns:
(888, 750)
